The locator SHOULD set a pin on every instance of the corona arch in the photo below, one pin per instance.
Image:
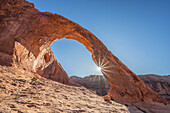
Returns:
(25, 38)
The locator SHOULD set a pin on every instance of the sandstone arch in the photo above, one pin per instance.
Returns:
(25, 37)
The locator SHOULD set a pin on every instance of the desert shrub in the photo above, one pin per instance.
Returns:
(33, 80)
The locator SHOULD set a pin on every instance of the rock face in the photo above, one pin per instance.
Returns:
(47, 64)
(94, 82)
(160, 84)
(21, 25)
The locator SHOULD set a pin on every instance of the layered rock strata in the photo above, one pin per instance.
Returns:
(96, 83)
(160, 84)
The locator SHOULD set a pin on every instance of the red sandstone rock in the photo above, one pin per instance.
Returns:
(160, 84)
(21, 25)
(107, 98)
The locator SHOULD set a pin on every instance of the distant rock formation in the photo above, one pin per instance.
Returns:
(160, 84)
(94, 82)
(25, 38)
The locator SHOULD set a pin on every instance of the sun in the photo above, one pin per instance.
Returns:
(99, 68)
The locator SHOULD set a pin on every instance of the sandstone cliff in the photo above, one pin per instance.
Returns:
(25, 38)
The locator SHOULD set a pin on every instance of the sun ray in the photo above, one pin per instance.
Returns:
(102, 61)
(105, 64)
(107, 67)
(99, 60)
(105, 75)
(108, 71)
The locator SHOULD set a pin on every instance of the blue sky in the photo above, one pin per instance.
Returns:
(136, 31)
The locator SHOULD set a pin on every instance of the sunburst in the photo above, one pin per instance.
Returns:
(104, 66)
(99, 68)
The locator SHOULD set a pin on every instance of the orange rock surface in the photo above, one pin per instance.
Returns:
(107, 98)
(25, 37)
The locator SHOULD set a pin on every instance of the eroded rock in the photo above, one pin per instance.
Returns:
(47, 96)
(34, 31)
(96, 83)
(160, 84)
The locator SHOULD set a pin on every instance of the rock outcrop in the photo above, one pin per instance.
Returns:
(96, 83)
(160, 84)
(23, 25)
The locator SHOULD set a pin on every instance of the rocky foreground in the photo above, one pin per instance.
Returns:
(20, 94)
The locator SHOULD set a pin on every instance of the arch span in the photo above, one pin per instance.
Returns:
(27, 33)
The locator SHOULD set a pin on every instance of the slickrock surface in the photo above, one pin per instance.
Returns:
(94, 82)
(20, 95)
(25, 38)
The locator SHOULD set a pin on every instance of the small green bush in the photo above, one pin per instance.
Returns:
(33, 80)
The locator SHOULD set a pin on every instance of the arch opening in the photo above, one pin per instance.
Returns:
(75, 58)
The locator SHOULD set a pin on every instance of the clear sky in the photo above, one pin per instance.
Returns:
(136, 31)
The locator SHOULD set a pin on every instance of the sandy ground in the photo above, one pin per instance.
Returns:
(20, 95)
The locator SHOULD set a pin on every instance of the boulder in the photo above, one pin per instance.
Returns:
(107, 98)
